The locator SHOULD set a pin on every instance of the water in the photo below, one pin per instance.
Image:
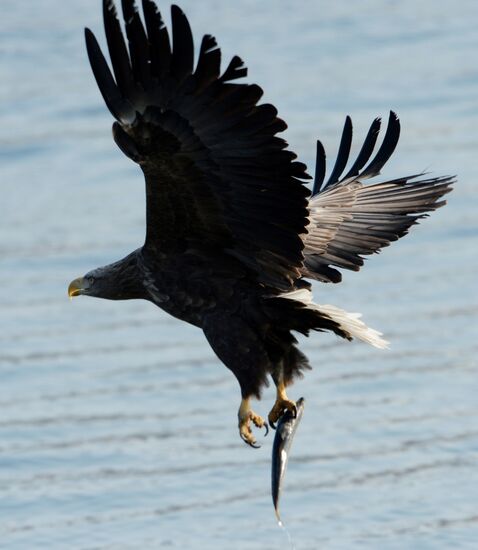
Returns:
(117, 427)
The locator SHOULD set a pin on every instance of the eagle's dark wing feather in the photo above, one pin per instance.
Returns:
(216, 173)
(350, 219)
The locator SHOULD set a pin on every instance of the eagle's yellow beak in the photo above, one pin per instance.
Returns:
(75, 287)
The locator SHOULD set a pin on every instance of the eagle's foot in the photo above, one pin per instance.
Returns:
(246, 417)
(281, 405)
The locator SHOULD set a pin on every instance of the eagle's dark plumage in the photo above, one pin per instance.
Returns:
(232, 231)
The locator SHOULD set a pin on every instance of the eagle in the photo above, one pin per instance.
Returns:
(234, 236)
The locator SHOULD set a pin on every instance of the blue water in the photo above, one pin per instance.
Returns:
(118, 424)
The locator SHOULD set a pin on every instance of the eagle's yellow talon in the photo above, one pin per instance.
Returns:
(280, 406)
(246, 416)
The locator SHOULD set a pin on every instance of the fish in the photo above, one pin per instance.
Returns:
(286, 428)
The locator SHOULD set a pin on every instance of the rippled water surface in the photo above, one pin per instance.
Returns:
(118, 424)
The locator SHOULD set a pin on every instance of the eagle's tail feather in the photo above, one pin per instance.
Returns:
(306, 315)
(351, 323)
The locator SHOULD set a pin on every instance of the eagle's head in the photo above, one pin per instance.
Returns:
(117, 281)
(96, 282)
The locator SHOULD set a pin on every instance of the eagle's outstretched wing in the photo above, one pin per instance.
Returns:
(350, 219)
(216, 173)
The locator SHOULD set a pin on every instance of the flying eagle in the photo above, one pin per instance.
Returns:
(232, 232)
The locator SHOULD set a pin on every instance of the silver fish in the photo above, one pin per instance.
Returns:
(286, 428)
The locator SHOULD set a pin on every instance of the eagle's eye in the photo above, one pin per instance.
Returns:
(90, 280)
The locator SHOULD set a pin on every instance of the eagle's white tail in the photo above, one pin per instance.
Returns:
(348, 322)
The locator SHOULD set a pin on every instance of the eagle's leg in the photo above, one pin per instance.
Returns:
(247, 416)
(242, 350)
(282, 403)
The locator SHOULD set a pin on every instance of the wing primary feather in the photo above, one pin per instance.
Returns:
(209, 62)
(158, 38)
(320, 166)
(183, 47)
(386, 149)
(235, 70)
(138, 44)
(343, 153)
(118, 106)
(117, 48)
(366, 150)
